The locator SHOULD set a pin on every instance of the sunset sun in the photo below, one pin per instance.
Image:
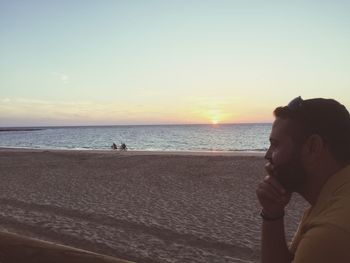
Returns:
(214, 122)
(215, 116)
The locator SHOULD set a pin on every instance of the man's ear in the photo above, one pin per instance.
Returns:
(314, 146)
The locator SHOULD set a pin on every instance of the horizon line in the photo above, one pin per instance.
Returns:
(111, 125)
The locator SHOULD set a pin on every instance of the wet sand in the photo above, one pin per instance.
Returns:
(139, 206)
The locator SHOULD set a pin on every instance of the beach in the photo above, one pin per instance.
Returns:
(139, 206)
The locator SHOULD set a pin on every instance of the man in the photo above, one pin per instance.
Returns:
(309, 154)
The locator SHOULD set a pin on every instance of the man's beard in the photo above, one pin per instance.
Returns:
(291, 174)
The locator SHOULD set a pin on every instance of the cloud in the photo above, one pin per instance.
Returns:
(62, 76)
(67, 110)
(5, 100)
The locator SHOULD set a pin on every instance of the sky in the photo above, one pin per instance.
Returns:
(122, 62)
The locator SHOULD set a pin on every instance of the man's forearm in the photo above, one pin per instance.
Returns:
(273, 243)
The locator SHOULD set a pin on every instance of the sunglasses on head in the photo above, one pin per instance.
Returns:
(295, 103)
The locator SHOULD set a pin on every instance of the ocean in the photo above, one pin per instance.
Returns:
(222, 137)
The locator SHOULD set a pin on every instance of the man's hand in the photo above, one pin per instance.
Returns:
(272, 197)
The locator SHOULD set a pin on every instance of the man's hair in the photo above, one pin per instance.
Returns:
(325, 117)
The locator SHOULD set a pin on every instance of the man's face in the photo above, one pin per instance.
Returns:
(284, 157)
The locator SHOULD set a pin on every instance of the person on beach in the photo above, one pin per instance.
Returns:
(309, 154)
(123, 147)
(114, 146)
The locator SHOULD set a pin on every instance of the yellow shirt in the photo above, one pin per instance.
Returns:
(324, 232)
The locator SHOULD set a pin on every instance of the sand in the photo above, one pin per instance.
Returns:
(139, 206)
(18, 248)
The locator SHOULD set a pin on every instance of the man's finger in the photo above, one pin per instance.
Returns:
(267, 192)
(275, 184)
(266, 187)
